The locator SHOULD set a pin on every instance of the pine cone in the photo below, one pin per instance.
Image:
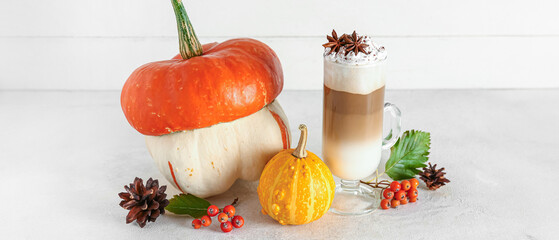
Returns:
(145, 203)
(433, 178)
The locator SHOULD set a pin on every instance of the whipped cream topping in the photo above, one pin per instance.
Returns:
(376, 53)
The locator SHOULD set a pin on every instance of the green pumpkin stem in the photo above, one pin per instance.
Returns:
(300, 151)
(189, 45)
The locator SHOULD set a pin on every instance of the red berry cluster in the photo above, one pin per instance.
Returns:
(399, 193)
(222, 217)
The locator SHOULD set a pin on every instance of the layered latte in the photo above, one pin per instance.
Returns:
(353, 114)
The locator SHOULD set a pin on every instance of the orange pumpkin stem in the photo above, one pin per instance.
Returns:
(188, 42)
(300, 151)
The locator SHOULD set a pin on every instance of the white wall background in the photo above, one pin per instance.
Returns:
(95, 45)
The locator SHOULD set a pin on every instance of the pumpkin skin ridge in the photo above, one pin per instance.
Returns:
(310, 214)
(294, 193)
(328, 181)
(304, 179)
(283, 168)
(165, 96)
(331, 187)
(276, 181)
(284, 127)
(331, 190)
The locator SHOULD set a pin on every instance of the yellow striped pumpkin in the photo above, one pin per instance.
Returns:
(296, 187)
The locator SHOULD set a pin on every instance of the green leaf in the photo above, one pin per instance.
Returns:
(188, 204)
(409, 153)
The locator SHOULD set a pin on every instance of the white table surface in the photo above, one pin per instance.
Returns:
(65, 156)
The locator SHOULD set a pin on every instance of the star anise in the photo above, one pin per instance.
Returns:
(334, 43)
(354, 43)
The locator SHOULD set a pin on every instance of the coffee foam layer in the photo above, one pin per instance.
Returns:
(352, 160)
(356, 79)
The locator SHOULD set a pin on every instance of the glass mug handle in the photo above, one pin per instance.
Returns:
(396, 125)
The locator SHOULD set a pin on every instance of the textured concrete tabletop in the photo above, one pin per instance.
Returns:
(65, 156)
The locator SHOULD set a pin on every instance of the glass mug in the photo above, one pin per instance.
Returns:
(352, 138)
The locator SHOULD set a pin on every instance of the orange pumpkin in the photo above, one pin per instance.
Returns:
(231, 80)
(296, 187)
(209, 114)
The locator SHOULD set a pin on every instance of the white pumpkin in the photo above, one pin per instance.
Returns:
(207, 161)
